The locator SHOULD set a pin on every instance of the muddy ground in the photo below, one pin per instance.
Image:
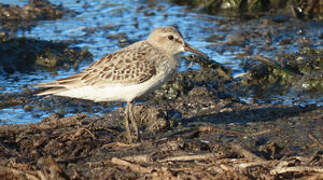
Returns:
(304, 9)
(193, 127)
(14, 17)
(200, 134)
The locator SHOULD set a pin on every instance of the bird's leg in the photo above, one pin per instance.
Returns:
(126, 124)
(133, 119)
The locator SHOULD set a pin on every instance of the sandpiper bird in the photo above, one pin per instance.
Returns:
(127, 73)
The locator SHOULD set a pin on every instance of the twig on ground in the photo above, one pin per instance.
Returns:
(252, 164)
(81, 131)
(134, 167)
(315, 140)
(189, 157)
(139, 158)
(299, 169)
(120, 145)
(226, 167)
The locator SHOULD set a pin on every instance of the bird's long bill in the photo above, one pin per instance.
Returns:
(189, 48)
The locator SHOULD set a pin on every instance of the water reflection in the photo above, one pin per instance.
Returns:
(97, 24)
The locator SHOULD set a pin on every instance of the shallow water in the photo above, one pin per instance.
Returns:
(93, 27)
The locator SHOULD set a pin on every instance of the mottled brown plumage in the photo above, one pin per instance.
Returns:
(126, 74)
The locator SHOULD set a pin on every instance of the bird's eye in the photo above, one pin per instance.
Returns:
(170, 37)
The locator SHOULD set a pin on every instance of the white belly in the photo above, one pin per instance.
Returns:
(117, 92)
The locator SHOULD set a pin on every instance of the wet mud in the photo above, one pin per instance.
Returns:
(196, 126)
(301, 71)
(28, 54)
(197, 132)
(303, 9)
(13, 17)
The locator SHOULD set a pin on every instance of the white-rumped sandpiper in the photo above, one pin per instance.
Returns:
(127, 73)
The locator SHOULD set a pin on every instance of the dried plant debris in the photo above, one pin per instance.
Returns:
(224, 140)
